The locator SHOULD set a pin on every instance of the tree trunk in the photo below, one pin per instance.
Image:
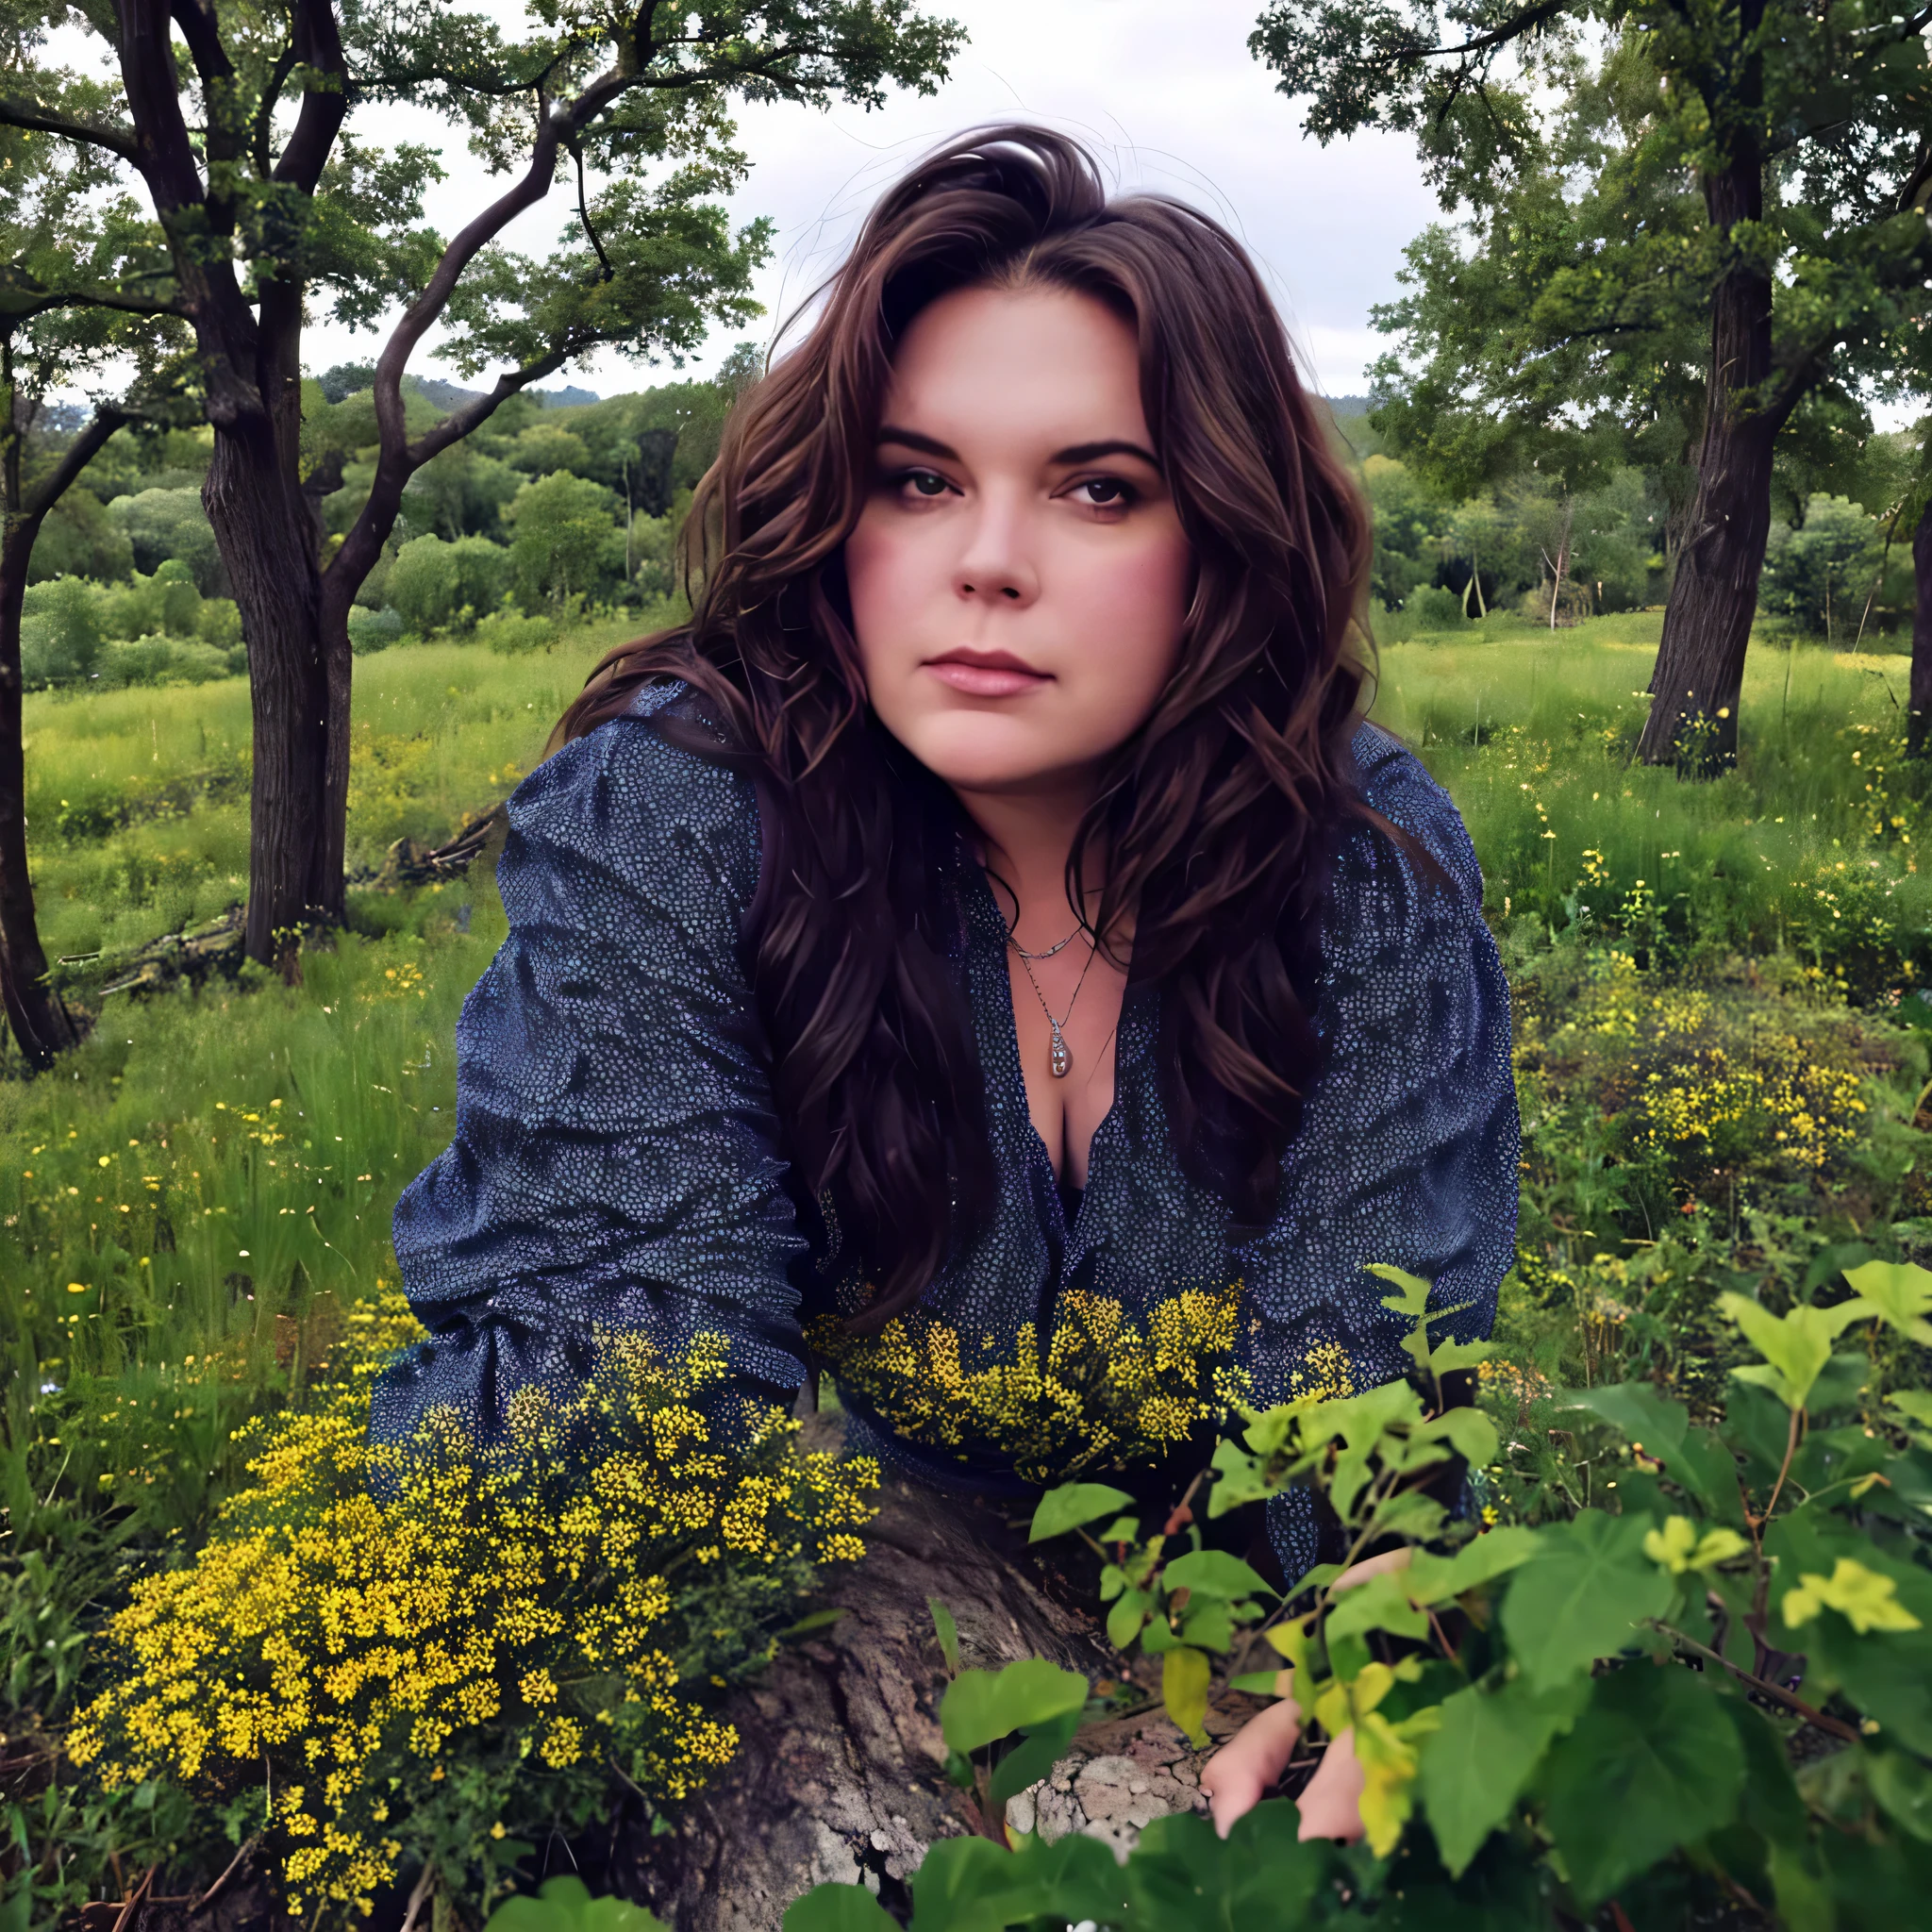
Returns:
(1919, 714)
(1700, 664)
(39, 1022)
(838, 1769)
(262, 522)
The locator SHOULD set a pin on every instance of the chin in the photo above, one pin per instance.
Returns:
(980, 751)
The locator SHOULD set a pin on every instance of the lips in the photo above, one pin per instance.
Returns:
(986, 674)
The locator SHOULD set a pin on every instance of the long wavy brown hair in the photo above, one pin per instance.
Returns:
(1214, 825)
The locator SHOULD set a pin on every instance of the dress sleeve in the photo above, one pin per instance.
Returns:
(615, 1164)
(1407, 1151)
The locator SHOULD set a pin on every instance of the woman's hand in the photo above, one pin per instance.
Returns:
(1258, 1754)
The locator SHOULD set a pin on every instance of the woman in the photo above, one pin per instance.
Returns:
(984, 953)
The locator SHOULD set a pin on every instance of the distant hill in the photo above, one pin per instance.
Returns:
(568, 397)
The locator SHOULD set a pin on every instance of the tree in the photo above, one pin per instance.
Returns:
(57, 208)
(234, 121)
(1756, 168)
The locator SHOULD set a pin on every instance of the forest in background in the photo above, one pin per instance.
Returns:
(559, 513)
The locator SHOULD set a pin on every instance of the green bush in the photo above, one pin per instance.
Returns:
(1819, 577)
(79, 539)
(1432, 608)
(59, 631)
(373, 630)
(171, 524)
(566, 540)
(508, 630)
(160, 661)
(434, 586)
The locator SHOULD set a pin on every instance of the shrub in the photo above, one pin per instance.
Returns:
(219, 622)
(160, 661)
(1433, 608)
(373, 630)
(1819, 575)
(1746, 1084)
(81, 539)
(59, 631)
(508, 630)
(436, 585)
(484, 1638)
(564, 538)
(164, 523)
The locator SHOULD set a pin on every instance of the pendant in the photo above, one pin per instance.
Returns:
(1061, 1061)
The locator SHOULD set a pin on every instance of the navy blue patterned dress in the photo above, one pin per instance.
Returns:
(616, 1163)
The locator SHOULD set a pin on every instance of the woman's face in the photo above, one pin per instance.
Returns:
(1018, 575)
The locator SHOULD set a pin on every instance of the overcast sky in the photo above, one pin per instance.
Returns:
(1167, 93)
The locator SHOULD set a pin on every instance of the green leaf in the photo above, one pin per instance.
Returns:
(1901, 1291)
(818, 1620)
(1470, 1433)
(1582, 1596)
(1379, 1604)
(1184, 1675)
(1208, 1625)
(1652, 1764)
(565, 1905)
(1647, 1420)
(979, 1708)
(947, 1631)
(1413, 1296)
(1214, 1573)
(1045, 1745)
(1915, 1405)
(1125, 1618)
(1183, 1879)
(1475, 1766)
(1257, 1683)
(1431, 1579)
(1904, 1787)
(1239, 1480)
(971, 1885)
(1073, 1504)
(838, 1909)
(1796, 1346)
(1450, 1356)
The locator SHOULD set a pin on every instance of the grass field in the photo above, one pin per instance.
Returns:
(190, 1203)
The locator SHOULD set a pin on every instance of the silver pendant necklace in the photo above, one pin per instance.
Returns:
(1060, 1061)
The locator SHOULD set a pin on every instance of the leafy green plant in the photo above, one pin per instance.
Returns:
(1713, 1694)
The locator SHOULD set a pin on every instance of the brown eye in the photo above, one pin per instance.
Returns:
(1106, 493)
(925, 483)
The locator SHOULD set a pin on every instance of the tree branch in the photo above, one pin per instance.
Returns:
(107, 418)
(265, 107)
(38, 120)
(318, 45)
(1512, 28)
(122, 301)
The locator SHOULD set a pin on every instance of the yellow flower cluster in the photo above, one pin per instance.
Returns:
(1749, 1079)
(360, 1608)
(1105, 1392)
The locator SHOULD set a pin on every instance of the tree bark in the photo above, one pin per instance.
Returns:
(1919, 705)
(39, 1022)
(839, 1773)
(1700, 664)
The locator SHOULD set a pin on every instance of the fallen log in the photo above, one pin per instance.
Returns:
(839, 1769)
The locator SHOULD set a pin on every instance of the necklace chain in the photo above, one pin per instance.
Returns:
(1059, 1060)
(1058, 946)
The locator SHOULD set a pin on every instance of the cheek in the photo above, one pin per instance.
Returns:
(888, 582)
(1130, 607)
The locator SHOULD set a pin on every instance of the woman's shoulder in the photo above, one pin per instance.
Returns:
(644, 804)
(1430, 861)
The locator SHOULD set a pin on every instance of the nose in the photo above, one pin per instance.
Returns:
(997, 564)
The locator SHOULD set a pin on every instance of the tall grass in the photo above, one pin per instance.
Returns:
(1808, 846)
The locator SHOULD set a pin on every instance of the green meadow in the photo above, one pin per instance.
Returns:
(1720, 1050)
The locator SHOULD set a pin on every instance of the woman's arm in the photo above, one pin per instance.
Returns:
(614, 1165)
(1407, 1151)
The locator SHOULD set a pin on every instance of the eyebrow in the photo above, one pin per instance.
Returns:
(1075, 454)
